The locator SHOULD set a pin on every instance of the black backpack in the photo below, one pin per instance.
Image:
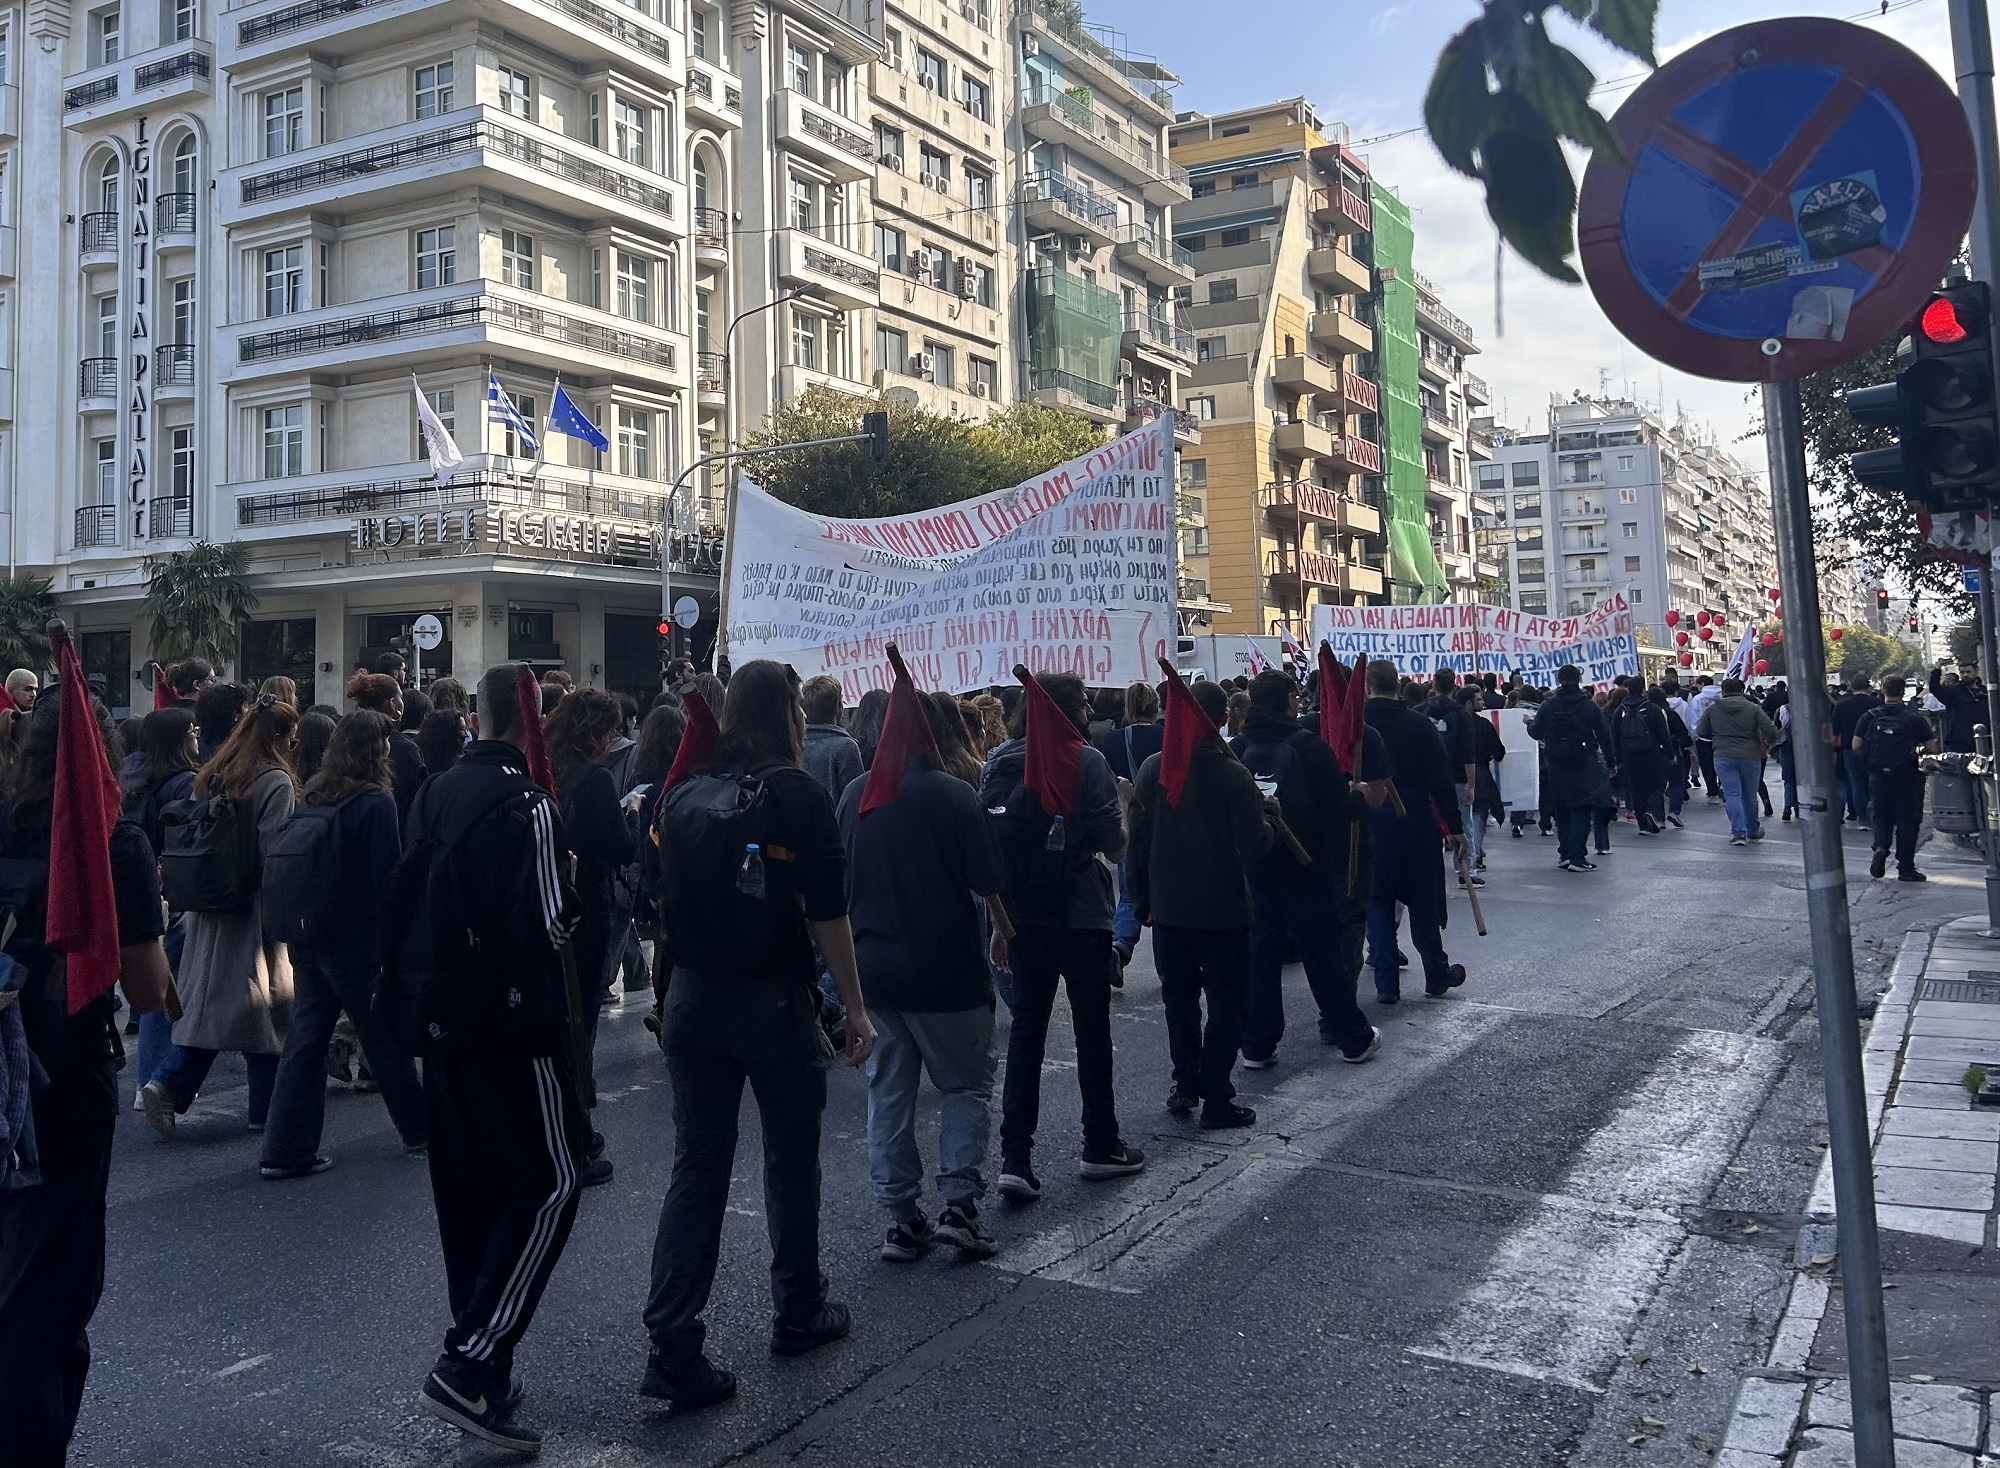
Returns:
(304, 878)
(1635, 730)
(208, 855)
(1891, 740)
(707, 825)
(1279, 761)
(1040, 878)
(1564, 735)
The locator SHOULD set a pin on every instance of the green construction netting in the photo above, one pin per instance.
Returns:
(1412, 562)
(1073, 334)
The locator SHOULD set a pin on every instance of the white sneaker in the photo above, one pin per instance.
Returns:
(1374, 1044)
(1265, 1064)
(159, 1108)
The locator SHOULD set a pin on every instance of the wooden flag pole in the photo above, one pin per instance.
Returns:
(1471, 892)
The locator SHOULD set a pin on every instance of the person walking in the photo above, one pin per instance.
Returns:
(1127, 750)
(1680, 750)
(1640, 742)
(1407, 845)
(753, 878)
(1295, 907)
(920, 855)
(1570, 730)
(1059, 897)
(1848, 711)
(1461, 742)
(351, 789)
(1706, 693)
(832, 756)
(382, 693)
(1888, 739)
(1739, 729)
(1489, 752)
(490, 1012)
(235, 984)
(157, 773)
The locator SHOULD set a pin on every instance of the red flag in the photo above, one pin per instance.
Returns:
(528, 696)
(1332, 702)
(163, 691)
(1054, 749)
(906, 738)
(1356, 725)
(698, 740)
(1187, 726)
(81, 900)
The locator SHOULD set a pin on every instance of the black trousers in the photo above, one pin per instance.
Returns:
(1896, 807)
(52, 1265)
(1195, 963)
(1044, 959)
(1646, 785)
(1704, 753)
(505, 1133)
(1301, 914)
(717, 1034)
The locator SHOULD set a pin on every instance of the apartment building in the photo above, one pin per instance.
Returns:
(1280, 230)
(1613, 498)
(1457, 436)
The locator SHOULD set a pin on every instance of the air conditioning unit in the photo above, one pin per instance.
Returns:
(928, 180)
(980, 390)
(928, 82)
(920, 365)
(967, 285)
(893, 160)
(941, 184)
(1079, 247)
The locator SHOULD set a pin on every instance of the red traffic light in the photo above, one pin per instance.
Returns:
(1881, 596)
(1939, 322)
(664, 628)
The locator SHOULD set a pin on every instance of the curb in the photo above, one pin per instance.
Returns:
(1765, 1414)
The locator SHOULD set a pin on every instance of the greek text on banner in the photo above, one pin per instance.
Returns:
(1472, 638)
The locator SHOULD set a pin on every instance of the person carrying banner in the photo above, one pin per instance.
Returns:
(1407, 844)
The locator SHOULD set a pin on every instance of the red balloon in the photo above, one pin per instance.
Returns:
(1707, 633)
(1838, 633)
(1702, 619)
(1680, 639)
(1673, 619)
(1687, 660)
(1770, 638)
(1775, 593)
(1762, 666)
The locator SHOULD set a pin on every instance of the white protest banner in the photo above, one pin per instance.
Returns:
(1520, 773)
(1069, 573)
(1475, 638)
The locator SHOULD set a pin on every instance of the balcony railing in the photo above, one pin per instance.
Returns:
(433, 316)
(1080, 202)
(1343, 201)
(708, 372)
(837, 267)
(448, 142)
(711, 228)
(99, 233)
(170, 519)
(1095, 393)
(1361, 453)
(312, 12)
(481, 487)
(813, 125)
(97, 377)
(1145, 410)
(1150, 241)
(173, 365)
(1075, 109)
(1160, 330)
(1476, 387)
(1066, 20)
(174, 213)
(90, 94)
(96, 525)
(1299, 563)
(1316, 501)
(171, 69)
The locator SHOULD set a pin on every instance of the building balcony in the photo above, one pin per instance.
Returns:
(1288, 500)
(1148, 335)
(1448, 324)
(1067, 119)
(1301, 440)
(713, 96)
(423, 326)
(585, 32)
(10, 111)
(835, 143)
(475, 146)
(827, 263)
(711, 235)
(1342, 210)
(1299, 566)
(170, 519)
(1581, 512)
(1360, 580)
(1340, 332)
(173, 370)
(1053, 203)
(1073, 394)
(1357, 454)
(1141, 411)
(710, 380)
(1096, 52)
(1476, 391)
(795, 381)
(97, 382)
(1304, 374)
(1155, 255)
(159, 78)
(98, 238)
(1339, 272)
(97, 527)
(174, 220)
(6, 394)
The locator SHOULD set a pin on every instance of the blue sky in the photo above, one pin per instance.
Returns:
(1368, 65)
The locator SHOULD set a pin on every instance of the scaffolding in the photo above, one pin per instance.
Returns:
(1413, 563)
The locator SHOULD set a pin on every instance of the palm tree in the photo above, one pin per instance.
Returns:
(25, 609)
(198, 599)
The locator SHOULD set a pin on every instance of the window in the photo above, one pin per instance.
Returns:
(634, 288)
(1634, 596)
(978, 188)
(975, 98)
(1492, 476)
(1194, 475)
(433, 89)
(107, 326)
(934, 164)
(182, 20)
(184, 165)
(1204, 188)
(517, 93)
(510, 436)
(1527, 471)
(892, 349)
(104, 37)
(981, 277)
(1530, 568)
(805, 209)
(634, 443)
(889, 145)
(284, 280)
(180, 464)
(1211, 348)
(6, 54)
(444, 403)
(983, 376)
(1202, 408)
(1625, 462)
(1586, 565)
(698, 33)
(944, 364)
(181, 320)
(1233, 237)
(628, 132)
(1220, 291)
(805, 340)
(437, 257)
(931, 72)
(1535, 603)
(285, 441)
(1242, 181)
(798, 69)
(1527, 507)
(1632, 563)
(934, 265)
(1194, 540)
(107, 186)
(1629, 529)
(1628, 496)
(888, 247)
(284, 121)
(892, 42)
(105, 479)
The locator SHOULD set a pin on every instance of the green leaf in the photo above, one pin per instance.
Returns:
(1557, 83)
(1529, 191)
(1458, 107)
(1628, 25)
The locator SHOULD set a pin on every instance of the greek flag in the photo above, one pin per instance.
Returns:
(500, 409)
(566, 418)
(1746, 654)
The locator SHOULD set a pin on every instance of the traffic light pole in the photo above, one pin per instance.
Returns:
(1832, 940)
(1972, 58)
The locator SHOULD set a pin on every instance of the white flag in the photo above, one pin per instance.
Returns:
(446, 460)
(1258, 662)
(1746, 654)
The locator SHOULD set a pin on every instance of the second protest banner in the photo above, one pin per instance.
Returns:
(1473, 638)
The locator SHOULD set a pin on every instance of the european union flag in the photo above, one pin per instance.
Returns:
(566, 417)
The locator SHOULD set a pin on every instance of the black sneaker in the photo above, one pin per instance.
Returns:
(1182, 1103)
(454, 1396)
(1878, 864)
(273, 1172)
(1018, 1184)
(1117, 1160)
(959, 1226)
(1388, 996)
(1368, 1052)
(1225, 1115)
(830, 1323)
(687, 1387)
(1910, 874)
(595, 1173)
(1120, 957)
(1651, 827)
(1402, 959)
(1587, 866)
(1453, 978)
(908, 1239)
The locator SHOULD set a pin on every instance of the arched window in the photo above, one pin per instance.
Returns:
(184, 165)
(107, 186)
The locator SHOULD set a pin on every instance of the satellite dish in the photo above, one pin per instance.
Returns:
(902, 397)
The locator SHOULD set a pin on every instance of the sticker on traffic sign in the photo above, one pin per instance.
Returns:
(1792, 190)
(427, 632)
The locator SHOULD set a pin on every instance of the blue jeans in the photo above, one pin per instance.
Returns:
(1573, 824)
(1739, 794)
(1302, 913)
(187, 1066)
(1855, 765)
(324, 984)
(956, 1048)
(1124, 921)
(1677, 785)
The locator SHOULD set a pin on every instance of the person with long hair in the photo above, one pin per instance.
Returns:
(356, 781)
(159, 771)
(449, 694)
(217, 709)
(954, 752)
(865, 726)
(441, 740)
(52, 1234)
(382, 694)
(741, 1006)
(235, 987)
(285, 690)
(595, 835)
(315, 734)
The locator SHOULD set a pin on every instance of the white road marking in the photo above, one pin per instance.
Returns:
(1566, 1286)
(248, 1363)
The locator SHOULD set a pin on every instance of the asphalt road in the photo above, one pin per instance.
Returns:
(1558, 1205)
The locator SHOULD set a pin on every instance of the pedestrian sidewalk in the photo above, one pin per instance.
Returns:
(1936, 1157)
